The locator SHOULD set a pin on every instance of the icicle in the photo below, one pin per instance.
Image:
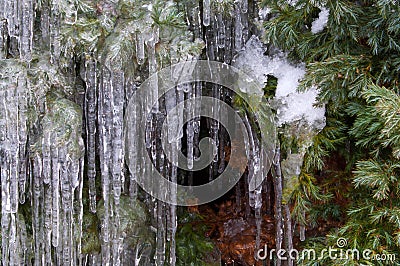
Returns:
(278, 201)
(288, 232)
(197, 92)
(260, 173)
(47, 223)
(105, 123)
(14, 248)
(91, 87)
(22, 134)
(66, 203)
(214, 130)
(55, 46)
(197, 110)
(3, 37)
(10, 14)
(46, 160)
(238, 31)
(117, 157)
(139, 48)
(245, 29)
(206, 12)
(26, 30)
(190, 137)
(4, 175)
(150, 43)
(220, 32)
(190, 127)
(9, 171)
(175, 118)
(149, 131)
(45, 24)
(254, 175)
(179, 98)
(4, 160)
(80, 214)
(55, 182)
(135, 160)
(37, 194)
(221, 166)
(5, 230)
(228, 44)
(13, 145)
(173, 218)
(160, 239)
(196, 21)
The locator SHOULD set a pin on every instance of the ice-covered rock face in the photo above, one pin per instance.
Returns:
(291, 105)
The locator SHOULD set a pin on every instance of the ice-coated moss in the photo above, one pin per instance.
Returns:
(64, 120)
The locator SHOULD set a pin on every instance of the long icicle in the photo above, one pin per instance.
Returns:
(173, 218)
(26, 13)
(37, 194)
(117, 158)
(288, 233)
(23, 136)
(206, 12)
(278, 200)
(55, 46)
(105, 120)
(66, 203)
(91, 104)
(4, 174)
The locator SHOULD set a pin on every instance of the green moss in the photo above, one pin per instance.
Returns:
(90, 234)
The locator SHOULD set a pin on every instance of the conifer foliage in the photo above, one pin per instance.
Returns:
(354, 60)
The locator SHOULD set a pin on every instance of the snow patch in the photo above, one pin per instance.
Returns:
(263, 13)
(319, 24)
(291, 105)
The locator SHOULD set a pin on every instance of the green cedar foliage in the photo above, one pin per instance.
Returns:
(355, 63)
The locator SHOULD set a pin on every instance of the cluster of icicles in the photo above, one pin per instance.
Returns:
(55, 176)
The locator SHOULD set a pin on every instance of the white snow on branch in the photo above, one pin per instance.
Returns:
(264, 12)
(291, 105)
(319, 24)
